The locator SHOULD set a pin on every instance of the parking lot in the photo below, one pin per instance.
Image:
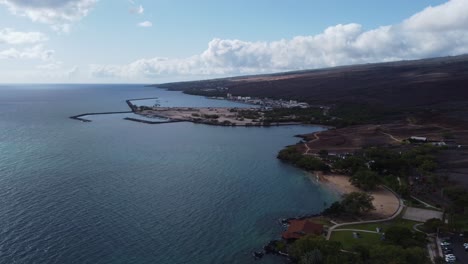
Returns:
(458, 249)
(421, 215)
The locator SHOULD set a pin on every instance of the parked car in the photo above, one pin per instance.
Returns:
(448, 251)
(449, 259)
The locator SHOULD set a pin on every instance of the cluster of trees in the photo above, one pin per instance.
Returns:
(458, 195)
(433, 225)
(317, 250)
(404, 237)
(206, 92)
(377, 165)
(354, 114)
(214, 116)
(352, 204)
(292, 155)
(295, 114)
(391, 254)
(339, 116)
(248, 114)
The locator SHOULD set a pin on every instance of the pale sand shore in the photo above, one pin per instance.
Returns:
(385, 202)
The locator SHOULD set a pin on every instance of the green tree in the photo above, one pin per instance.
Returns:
(323, 153)
(289, 154)
(312, 164)
(432, 225)
(309, 243)
(397, 235)
(365, 179)
(335, 209)
(350, 164)
(312, 257)
(356, 203)
(363, 252)
(404, 237)
(391, 254)
(428, 165)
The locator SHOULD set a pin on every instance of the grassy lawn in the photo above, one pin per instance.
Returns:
(372, 227)
(348, 241)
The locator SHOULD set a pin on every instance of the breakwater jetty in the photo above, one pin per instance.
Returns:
(152, 122)
(80, 117)
(132, 108)
(129, 101)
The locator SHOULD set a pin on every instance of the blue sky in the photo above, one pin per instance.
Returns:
(170, 40)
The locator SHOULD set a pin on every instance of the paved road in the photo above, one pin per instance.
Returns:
(459, 250)
(396, 214)
(421, 215)
(357, 230)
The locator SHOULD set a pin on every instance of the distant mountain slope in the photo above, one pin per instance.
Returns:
(440, 82)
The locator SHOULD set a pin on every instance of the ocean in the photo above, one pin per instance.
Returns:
(117, 191)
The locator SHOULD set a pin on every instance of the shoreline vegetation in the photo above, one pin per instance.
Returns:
(400, 125)
(409, 165)
(371, 158)
(218, 116)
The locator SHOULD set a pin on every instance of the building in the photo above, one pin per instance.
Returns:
(418, 139)
(300, 228)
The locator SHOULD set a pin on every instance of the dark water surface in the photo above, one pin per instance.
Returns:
(116, 191)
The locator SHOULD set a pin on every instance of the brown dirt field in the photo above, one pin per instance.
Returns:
(353, 138)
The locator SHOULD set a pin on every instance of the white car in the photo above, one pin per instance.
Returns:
(445, 243)
(465, 244)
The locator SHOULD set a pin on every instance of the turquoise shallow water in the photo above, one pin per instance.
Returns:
(116, 191)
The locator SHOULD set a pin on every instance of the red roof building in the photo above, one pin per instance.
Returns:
(300, 228)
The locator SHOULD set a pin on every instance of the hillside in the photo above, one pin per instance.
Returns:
(433, 83)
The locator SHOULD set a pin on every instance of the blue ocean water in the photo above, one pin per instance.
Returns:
(116, 191)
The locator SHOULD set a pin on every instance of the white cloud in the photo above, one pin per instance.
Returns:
(436, 31)
(54, 70)
(72, 71)
(57, 13)
(9, 36)
(36, 52)
(145, 24)
(50, 66)
(139, 10)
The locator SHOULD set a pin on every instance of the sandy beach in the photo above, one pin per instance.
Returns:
(385, 202)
